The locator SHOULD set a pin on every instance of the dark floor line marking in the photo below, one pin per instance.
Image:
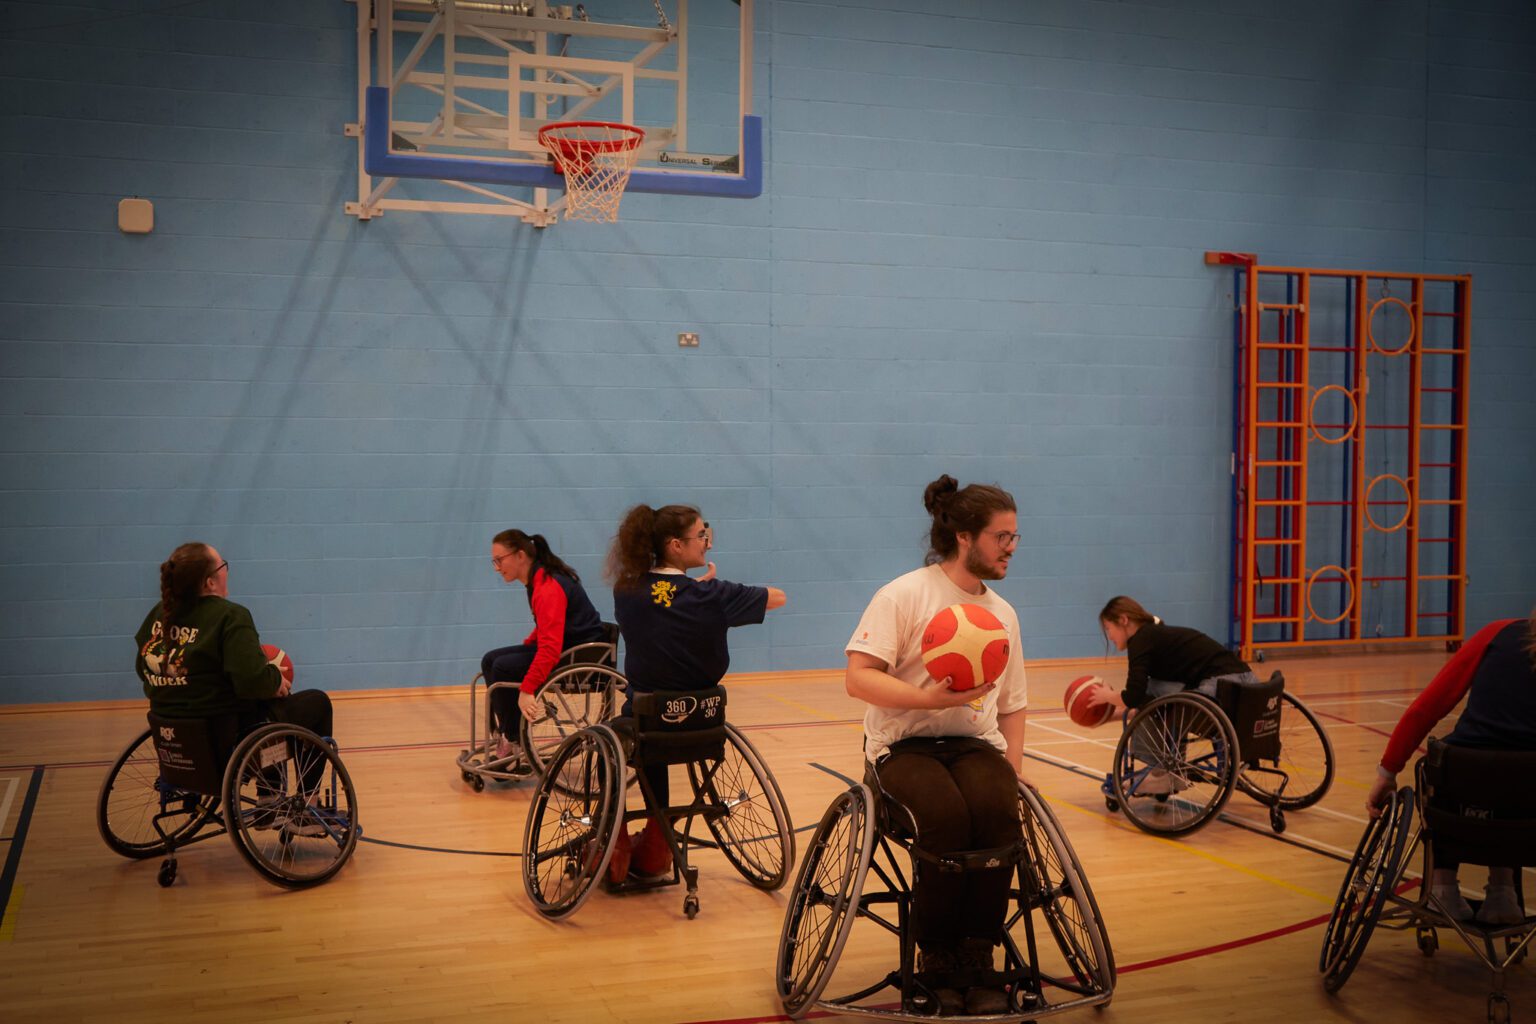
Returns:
(18, 842)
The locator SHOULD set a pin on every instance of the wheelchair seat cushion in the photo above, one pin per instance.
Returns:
(1254, 709)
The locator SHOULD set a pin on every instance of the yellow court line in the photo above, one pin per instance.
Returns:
(1125, 826)
(12, 911)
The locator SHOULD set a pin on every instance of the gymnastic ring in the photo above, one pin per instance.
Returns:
(1354, 414)
(1312, 581)
(1370, 327)
(1407, 510)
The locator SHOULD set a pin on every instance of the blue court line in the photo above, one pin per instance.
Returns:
(18, 841)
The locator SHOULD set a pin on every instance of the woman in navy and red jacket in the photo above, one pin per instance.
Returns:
(563, 617)
(1496, 671)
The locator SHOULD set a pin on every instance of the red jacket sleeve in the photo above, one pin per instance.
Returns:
(1442, 695)
(548, 604)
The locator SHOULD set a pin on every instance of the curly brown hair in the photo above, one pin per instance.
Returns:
(642, 539)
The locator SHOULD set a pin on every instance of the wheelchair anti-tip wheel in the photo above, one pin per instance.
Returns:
(825, 899)
(570, 700)
(574, 821)
(132, 795)
(1306, 758)
(1371, 875)
(746, 813)
(289, 806)
(1176, 764)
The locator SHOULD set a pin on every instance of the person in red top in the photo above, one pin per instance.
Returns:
(1496, 671)
(563, 617)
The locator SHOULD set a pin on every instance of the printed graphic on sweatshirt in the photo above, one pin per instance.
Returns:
(165, 664)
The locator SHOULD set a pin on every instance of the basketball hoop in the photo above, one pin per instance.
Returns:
(596, 158)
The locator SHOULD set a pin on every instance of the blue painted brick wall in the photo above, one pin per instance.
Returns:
(979, 253)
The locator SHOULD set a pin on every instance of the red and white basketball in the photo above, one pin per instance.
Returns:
(1083, 704)
(965, 644)
(279, 657)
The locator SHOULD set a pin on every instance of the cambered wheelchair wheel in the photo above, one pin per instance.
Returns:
(755, 833)
(825, 899)
(1370, 878)
(574, 821)
(571, 699)
(289, 806)
(1054, 884)
(132, 795)
(1306, 757)
(1175, 766)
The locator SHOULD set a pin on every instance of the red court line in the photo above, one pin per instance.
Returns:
(1357, 725)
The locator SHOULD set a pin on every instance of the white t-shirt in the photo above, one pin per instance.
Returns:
(892, 630)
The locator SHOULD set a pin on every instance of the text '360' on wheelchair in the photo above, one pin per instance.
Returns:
(581, 690)
(1181, 756)
(1056, 953)
(579, 810)
(282, 794)
(1475, 807)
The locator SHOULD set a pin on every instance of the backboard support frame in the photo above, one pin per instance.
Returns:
(530, 77)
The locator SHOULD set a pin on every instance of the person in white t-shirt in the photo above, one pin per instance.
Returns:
(953, 758)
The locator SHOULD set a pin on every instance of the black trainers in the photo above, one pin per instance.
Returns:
(937, 967)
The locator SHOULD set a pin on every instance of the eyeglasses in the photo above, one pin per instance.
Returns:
(222, 566)
(1006, 538)
(496, 560)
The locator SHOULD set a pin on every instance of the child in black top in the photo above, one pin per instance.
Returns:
(1163, 660)
(674, 629)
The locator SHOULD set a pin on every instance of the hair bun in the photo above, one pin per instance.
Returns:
(937, 494)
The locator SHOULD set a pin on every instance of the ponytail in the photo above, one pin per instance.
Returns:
(181, 581)
(641, 541)
(1123, 607)
(538, 552)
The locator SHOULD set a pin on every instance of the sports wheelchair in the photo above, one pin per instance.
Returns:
(862, 832)
(579, 808)
(1182, 754)
(581, 690)
(280, 791)
(1453, 789)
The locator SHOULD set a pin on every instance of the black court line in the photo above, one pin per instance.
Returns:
(18, 841)
(694, 842)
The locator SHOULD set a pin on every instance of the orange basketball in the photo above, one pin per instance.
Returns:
(1083, 705)
(965, 644)
(279, 657)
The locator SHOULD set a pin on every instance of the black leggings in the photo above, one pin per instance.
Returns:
(963, 796)
(308, 709)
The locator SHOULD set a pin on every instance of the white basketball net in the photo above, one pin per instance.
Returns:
(596, 159)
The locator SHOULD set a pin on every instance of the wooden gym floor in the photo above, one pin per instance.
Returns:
(429, 921)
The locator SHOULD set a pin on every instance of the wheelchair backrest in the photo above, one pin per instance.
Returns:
(1480, 807)
(1254, 709)
(192, 751)
(602, 651)
(677, 726)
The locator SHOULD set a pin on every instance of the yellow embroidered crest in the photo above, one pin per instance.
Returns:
(662, 592)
